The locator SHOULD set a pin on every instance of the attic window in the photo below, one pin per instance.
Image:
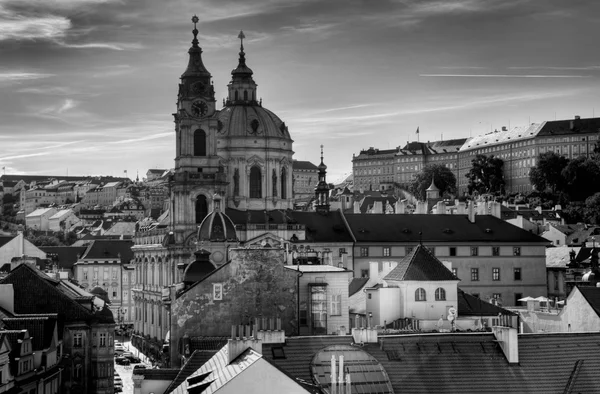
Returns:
(488, 230)
(447, 231)
(278, 353)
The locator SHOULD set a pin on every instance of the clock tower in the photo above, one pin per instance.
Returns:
(198, 175)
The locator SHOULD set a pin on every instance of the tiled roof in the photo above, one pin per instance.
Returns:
(420, 265)
(303, 165)
(109, 250)
(157, 374)
(315, 268)
(328, 227)
(515, 134)
(465, 362)
(469, 305)
(48, 296)
(592, 295)
(39, 212)
(61, 213)
(41, 329)
(207, 343)
(368, 202)
(436, 228)
(196, 360)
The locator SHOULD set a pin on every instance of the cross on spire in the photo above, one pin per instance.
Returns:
(241, 36)
(321, 153)
(195, 31)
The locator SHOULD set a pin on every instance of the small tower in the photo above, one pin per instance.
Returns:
(242, 88)
(322, 189)
(432, 192)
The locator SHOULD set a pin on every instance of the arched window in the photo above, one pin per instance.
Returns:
(420, 294)
(440, 294)
(199, 143)
(246, 95)
(236, 95)
(274, 194)
(255, 183)
(201, 208)
(283, 183)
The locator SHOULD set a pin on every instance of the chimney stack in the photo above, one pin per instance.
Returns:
(471, 212)
(377, 207)
(238, 345)
(440, 208)
(356, 207)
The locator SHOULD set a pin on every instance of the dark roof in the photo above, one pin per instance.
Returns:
(5, 239)
(436, 228)
(157, 374)
(66, 255)
(356, 284)
(465, 362)
(369, 201)
(303, 165)
(211, 344)
(196, 360)
(592, 296)
(329, 227)
(421, 265)
(570, 126)
(41, 329)
(50, 296)
(469, 305)
(109, 250)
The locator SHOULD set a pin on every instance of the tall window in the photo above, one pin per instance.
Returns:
(102, 339)
(336, 304)
(199, 143)
(420, 294)
(201, 208)
(495, 273)
(318, 309)
(255, 183)
(474, 251)
(474, 274)
(283, 183)
(440, 294)
(495, 251)
(364, 251)
(386, 251)
(452, 251)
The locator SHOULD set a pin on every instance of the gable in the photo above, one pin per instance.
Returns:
(263, 240)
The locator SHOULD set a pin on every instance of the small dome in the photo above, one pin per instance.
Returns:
(217, 227)
(251, 120)
(200, 268)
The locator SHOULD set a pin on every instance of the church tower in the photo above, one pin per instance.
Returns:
(198, 175)
(322, 189)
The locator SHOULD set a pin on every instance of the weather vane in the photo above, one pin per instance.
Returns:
(241, 36)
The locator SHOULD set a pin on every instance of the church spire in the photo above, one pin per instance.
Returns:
(242, 88)
(322, 189)
(242, 70)
(195, 66)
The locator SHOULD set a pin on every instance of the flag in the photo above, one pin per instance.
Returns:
(417, 132)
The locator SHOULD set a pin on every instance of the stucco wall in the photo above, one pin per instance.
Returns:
(579, 314)
(255, 283)
(261, 377)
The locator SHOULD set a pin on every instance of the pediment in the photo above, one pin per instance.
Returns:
(265, 240)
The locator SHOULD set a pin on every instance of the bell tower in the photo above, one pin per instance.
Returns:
(322, 189)
(198, 175)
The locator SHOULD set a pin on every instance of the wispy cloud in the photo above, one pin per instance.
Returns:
(113, 71)
(115, 46)
(500, 76)
(145, 138)
(12, 76)
(18, 27)
(4, 158)
(48, 90)
(565, 68)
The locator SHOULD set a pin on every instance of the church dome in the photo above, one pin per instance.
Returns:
(251, 121)
(217, 226)
(200, 268)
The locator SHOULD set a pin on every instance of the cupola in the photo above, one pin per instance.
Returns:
(217, 226)
(242, 88)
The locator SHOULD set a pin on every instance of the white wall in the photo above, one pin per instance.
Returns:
(261, 377)
(18, 247)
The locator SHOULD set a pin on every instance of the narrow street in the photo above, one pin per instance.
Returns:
(126, 371)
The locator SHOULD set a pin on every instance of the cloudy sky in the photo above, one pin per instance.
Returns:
(89, 86)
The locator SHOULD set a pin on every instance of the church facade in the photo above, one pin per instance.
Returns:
(240, 154)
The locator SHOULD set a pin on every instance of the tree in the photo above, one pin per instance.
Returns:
(582, 177)
(486, 175)
(592, 209)
(444, 180)
(547, 174)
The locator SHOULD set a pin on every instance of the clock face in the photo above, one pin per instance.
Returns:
(199, 108)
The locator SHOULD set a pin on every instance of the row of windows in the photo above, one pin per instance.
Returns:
(421, 294)
(495, 273)
(474, 251)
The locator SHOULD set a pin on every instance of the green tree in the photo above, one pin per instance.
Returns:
(547, 174)
(592, 209)
(582, 177)
(444, 180)
(486, 175)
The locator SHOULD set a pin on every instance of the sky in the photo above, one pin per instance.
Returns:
(88, 87)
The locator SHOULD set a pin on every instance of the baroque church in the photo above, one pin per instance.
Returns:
(238, 160)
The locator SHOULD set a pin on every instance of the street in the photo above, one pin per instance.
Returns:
(126, 371)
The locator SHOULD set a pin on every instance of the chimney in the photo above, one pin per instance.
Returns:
(373, 270)
(471, 212)
(421, 207)
(7, 297)
(496, 209)
(269, 330)
(356, 207)
(461, 208)
(401, 207)
(504, 128)
(482, 208)
(377, 207)
(238, 345)
(440, 208)
(508, 339)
